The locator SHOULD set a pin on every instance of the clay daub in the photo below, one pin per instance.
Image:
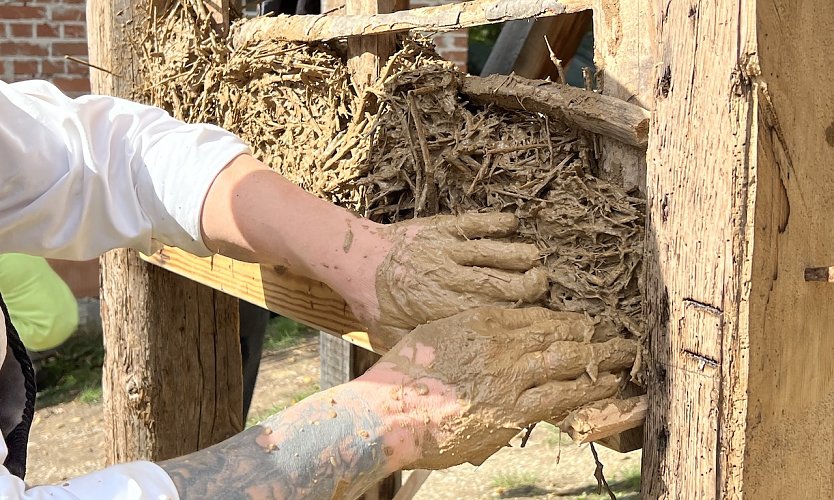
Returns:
(409, 145)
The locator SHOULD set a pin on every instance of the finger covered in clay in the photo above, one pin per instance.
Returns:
(476, 225)
(495, 254)
(499, 285)
(566, 360)
(554, 400)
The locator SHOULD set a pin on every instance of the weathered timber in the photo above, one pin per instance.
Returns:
(605, 418)
(623, 40)
(588, 110)
(740, 204)
(172, 377)
(442, 18)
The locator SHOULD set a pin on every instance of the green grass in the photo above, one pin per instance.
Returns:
(517, 485)
(73, 371)
(304, 393)
(283, 333)
(513, 480)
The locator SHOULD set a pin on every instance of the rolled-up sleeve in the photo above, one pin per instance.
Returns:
(83, 176)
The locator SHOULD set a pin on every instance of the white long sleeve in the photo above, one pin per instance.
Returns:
(80, 177)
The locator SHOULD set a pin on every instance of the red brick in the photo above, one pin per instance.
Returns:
(26, 68)
(53, 66)
(20, 30)
(22, 49)
(68, 13)
(21, 12)
(75, 31)
(46, 30)
(70, 84)
(75, 68)
(460, 41)
(69, 49)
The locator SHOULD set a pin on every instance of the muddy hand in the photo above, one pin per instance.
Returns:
(443, 265)
(474, 380)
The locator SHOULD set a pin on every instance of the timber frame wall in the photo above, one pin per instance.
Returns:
(739, 264)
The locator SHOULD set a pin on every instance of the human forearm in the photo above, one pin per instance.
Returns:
(256, 215)
(335, 444)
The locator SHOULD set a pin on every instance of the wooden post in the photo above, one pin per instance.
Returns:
(625, 64)
(740, 204)
(172, 376)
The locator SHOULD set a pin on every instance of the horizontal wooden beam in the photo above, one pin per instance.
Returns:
(601, 114)
(605, 419)
(441, 18)
(301, 299)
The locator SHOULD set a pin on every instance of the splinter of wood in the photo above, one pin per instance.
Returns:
(820, 274)
(605, 418)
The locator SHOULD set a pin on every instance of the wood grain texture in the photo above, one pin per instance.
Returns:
(623, 40)
(789, 448)
(301, 299)
(698, 250)
(172, 377)
(450, 17)
(600, 114)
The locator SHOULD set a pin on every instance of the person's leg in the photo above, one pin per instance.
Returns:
(253, 321)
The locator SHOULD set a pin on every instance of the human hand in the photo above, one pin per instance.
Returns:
(438, 266)
(473, 381)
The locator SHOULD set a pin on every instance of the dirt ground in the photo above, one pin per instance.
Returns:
(68, 440)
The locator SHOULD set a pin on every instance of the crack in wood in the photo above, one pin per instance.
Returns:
(697, 304)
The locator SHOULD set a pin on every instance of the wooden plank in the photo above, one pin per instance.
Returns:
(157, 324)
(438, 19)
(604, 115)
(301, 299)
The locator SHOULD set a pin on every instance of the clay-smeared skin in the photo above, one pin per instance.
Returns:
(440, 266)
(454, 390)
(476, 379)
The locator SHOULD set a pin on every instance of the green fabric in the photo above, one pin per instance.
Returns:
(42, 307)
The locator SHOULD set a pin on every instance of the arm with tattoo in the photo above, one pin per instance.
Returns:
(335, 444)
(454, 390)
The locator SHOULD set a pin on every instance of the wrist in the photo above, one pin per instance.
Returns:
(402, 428)
(353, 267)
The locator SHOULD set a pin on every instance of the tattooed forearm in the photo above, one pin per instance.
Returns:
(331, 445)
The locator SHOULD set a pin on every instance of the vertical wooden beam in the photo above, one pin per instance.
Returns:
(623, 39)
(740, 203)
(367, 54)
(172, 376)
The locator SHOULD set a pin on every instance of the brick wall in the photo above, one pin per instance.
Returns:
(452, 46)
(35, 35)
